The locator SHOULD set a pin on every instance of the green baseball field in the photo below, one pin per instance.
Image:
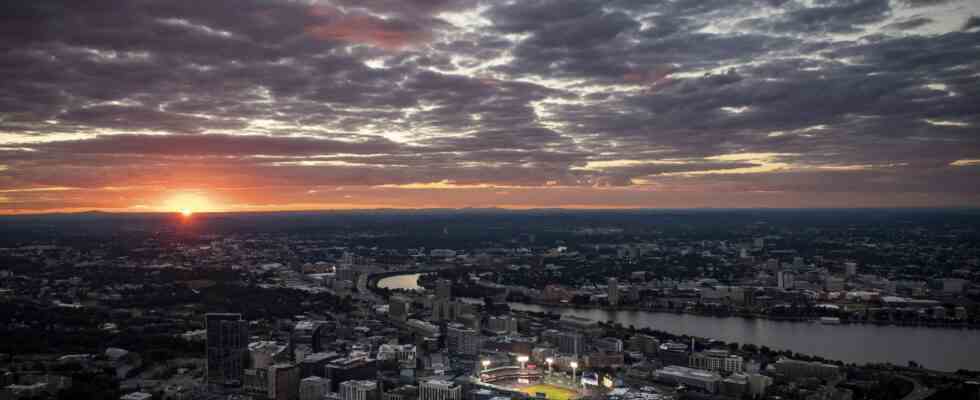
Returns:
(552, 392)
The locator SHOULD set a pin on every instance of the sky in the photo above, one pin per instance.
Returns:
(259, 105)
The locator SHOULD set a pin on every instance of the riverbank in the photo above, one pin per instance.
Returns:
(941, 349)
(747, 315)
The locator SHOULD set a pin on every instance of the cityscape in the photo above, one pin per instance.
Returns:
(490, 200)
(493, 304)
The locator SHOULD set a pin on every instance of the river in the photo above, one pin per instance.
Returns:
(936, 348)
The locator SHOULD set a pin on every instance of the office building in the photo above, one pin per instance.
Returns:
(350, 368)
(313, 388)
(716, 360)
(645, 344)
(502, 325)
(406, 392)
(568, 343)
(256, 381)
(399, 307)
(786, 280)
(704, 380)
(444, 289)
(609, 344)
(404, 354)
(284, 382)
(613, 287)
(440, 390)
(796, 369)
(265, 353)
(227, 348)
(758, 384)
(734, 386)
(358, 390)
(316, 364)
(463, 340)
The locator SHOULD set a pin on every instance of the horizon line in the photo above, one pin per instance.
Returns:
(502, 209)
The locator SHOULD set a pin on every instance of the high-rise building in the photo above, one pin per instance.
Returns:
(568, 343)
(502, 325)
(302, 337)
(440, 390)
(786, 280)
(613, 291)
(358, 390)
(463, 340)
(284, 382)
(398, 308)
(313, 388)
(444, 289)
(227, 348)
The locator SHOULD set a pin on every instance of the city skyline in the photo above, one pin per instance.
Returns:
(269, 105)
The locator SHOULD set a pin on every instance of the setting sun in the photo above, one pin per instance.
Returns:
(186, 204)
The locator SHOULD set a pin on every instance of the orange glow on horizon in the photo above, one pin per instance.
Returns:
(188, 203)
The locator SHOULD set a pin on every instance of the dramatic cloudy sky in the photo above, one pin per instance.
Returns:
(274, 104)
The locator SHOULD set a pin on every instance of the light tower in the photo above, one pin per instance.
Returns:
(522, 360)
(550, 361)
(574, 365)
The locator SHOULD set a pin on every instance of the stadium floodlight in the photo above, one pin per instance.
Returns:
(522, 360)
(550, 361)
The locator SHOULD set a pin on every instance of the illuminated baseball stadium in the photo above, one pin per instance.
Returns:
(530, 381)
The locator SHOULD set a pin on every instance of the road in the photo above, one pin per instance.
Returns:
(919, 392)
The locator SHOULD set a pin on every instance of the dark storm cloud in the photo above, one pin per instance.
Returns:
(193, 145)
(832, 16)
(840, 95)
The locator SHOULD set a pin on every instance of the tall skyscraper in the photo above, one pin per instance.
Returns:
(227, 348)
(444, 289)
(785, 280)
(613, 291)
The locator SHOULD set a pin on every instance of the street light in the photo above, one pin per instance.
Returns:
(549, 360)
(485, 364)
(574, 365)
(522, 360)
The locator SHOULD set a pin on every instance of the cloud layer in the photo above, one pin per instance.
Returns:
(276, 104)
